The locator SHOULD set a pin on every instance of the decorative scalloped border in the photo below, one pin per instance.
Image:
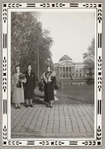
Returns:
(98, 141)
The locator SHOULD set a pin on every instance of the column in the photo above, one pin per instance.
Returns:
(78, 73)
(68, 72)
(71, 73)
(65, 71)
(62, 71)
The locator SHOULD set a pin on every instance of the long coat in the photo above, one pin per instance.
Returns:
(18, 93)
(29, 86)
(49, 87)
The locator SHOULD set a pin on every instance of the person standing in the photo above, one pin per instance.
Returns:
(29, 86)
(18, 92)
(50, 81)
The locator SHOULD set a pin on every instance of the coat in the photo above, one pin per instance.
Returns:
(18, 93)
(50, 81)
(29, 86)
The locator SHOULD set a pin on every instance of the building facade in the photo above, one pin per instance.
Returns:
(68, 70)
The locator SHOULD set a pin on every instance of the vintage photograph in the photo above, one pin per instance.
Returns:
(53, 73)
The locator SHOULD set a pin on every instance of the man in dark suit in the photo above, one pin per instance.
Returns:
(29, 86)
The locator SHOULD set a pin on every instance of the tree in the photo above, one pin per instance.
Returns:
(89, 56)
(89, 59)
(27, 38)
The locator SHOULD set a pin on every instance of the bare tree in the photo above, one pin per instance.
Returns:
(89, 59)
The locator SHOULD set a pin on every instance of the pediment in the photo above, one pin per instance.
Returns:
(66, 63)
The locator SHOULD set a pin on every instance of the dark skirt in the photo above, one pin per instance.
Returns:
(29, 93)
(29, 86)
(49, 92)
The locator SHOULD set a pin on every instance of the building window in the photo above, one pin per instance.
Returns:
(76, 73)
(64, 75)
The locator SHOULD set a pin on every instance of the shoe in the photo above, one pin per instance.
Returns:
(26, 106)
(48, 105)
(51, 106)
(31, 105)
(19, 107)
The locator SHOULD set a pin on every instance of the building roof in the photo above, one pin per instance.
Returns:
(56, 63)
(65, 57)
(79, 63)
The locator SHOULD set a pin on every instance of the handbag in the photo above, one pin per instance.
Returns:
(41, 85)
(18, 85)
(22, 76)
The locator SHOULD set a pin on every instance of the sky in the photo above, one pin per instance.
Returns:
(71, 30)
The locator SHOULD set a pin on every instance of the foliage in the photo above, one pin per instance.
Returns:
(89, 56)
(27, 38)
(89, 62)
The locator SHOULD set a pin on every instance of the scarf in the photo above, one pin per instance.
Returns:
(49, 75)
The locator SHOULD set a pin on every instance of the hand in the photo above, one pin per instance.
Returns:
(22, 80)
(49, 80)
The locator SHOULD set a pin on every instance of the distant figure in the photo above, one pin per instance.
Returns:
(18, 93)
(50, 82)
(29, 86)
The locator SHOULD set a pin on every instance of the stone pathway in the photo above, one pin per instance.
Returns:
(73, 120)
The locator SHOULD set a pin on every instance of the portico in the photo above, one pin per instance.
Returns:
(67, 69)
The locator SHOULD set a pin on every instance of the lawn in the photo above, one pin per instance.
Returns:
(83, 93)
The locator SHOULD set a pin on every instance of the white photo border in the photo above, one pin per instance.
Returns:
(6, 87)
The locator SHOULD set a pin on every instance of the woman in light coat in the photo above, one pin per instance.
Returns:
(18, 92)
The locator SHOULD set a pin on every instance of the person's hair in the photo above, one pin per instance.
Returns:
(16, 67)
(48, 66)
(29, 65)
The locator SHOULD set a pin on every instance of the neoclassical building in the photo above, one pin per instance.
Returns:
(67, 69)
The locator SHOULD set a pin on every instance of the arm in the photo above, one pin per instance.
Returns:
(54, 80)
(23, 80)
(56, 87)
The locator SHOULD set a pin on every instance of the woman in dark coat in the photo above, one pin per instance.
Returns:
(29, 86)
(49, 81)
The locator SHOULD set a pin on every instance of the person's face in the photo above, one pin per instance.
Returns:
(48, 69)
(29, 68)
(18, 69)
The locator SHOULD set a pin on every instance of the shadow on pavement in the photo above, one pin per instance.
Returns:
(39, 99)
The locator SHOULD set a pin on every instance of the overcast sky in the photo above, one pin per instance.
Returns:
(71, 30)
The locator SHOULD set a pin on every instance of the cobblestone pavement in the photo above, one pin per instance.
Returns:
(73, 120)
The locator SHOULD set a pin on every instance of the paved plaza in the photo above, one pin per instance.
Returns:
(73, 119)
